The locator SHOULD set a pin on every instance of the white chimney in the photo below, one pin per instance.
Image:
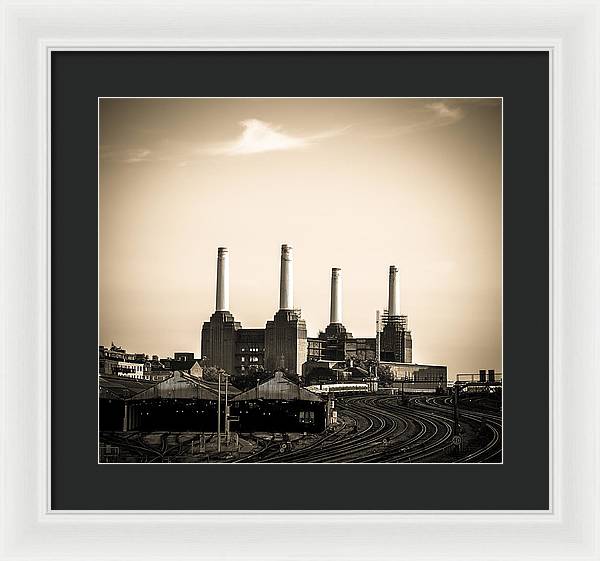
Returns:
(222, 280)
(286, 284)
(394, 293)
(336, 296)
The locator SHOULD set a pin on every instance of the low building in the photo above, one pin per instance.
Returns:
(130, 370)
(181, 403)
(115, 361)
(279, 405)
(417, 377)
(183, 356)
(333, 372)
(157, 375)
(191, 367)
(323, 372)
(483, 376)
(113, 391)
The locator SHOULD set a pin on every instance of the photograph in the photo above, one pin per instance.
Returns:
(300, 280)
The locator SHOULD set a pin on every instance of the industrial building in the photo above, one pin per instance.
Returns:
(333, 372)
(283, 343)
(181, 402)
(280, 404)
(113, 391)
(417, 377)
(219, 334)
(176, 397)
(336, 343)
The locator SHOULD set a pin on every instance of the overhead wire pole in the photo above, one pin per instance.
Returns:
(226, 411)
(219, 415)
(377, 345)
(377, 340)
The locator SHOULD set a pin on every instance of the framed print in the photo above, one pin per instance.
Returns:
(323, 270)
(269, 401)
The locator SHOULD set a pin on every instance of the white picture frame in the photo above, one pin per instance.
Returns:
(568, 30)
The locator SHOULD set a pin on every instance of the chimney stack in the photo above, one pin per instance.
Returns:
(336, 296)
(222, 304)
(394, 293)
(286, 284)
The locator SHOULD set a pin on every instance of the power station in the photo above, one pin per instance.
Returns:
(287, 394)
(283, 344)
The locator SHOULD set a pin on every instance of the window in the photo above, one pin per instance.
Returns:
(307, 417)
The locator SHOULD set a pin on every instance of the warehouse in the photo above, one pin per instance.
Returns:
(112, 393)
(279, 405)
(179, 404)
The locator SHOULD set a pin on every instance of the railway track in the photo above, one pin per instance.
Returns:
(377, 427)
(492, 451)
(374, 428)
(393, 432)
(387, 433)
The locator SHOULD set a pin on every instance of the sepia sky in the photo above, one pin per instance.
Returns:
(360, 184)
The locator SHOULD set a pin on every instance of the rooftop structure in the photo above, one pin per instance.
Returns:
(278, 388)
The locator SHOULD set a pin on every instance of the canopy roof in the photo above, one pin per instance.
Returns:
(121, 387)
(280, 388)
(183, 386)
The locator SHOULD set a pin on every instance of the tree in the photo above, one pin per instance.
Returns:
(386, 376)
(210, 373)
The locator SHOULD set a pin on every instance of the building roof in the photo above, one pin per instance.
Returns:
(411, 364)
(359, 370)
(178, 364)
(214, 386)
(334, 364)
(280, 388)
(121, 387)
(177, 386)
(183, 386)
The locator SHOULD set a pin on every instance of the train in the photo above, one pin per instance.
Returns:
(339, 388)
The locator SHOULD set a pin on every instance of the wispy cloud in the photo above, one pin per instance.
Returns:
(126, 155)
(430, 116)
(258, 136)
(445, 114)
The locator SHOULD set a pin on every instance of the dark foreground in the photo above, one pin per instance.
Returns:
(370, 428)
